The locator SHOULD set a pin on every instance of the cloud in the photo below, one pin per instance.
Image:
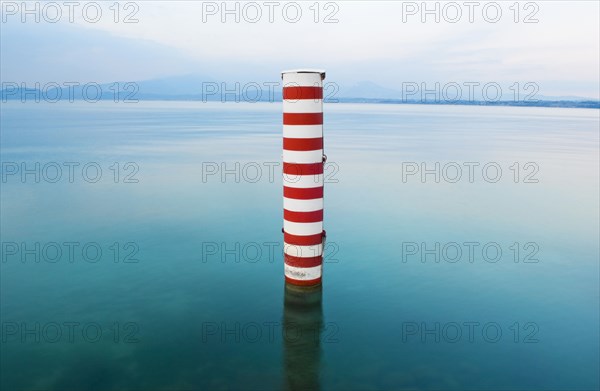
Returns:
(40, 52)
(376, 41)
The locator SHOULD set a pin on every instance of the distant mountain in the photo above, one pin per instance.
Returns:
(569, 98)
(202, 88)
(175, 85)
(368, 90)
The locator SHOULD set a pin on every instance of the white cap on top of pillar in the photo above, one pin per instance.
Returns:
(319, 71)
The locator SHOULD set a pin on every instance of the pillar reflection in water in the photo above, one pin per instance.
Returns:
(302, 327)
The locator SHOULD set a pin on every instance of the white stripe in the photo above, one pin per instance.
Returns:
(303, 251)
(315, 156)
(303, 273)
(302, 131)
(302, 205)
(302, 181)
(303, 229)
(302, 80)
(303, 106)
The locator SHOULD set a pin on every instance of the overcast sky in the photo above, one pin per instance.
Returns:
(384, 42)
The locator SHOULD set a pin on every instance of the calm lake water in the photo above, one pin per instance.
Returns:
(143, 251)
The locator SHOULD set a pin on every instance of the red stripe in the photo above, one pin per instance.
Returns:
(300, 240)
(303, 118)
(303, 169)
(303, 217)
(309, 193)
(302, 144)
(295, 93)
(291, 260)
(316, 281)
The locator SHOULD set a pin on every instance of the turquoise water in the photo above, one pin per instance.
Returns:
(188, 291)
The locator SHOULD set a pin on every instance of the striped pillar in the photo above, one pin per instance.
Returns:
(303, 161)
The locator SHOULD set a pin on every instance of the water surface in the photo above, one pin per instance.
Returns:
(194, 298)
